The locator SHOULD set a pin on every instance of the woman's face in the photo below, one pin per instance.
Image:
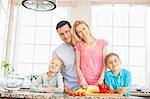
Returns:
(55, 65)
(113, 63)
(82, 31)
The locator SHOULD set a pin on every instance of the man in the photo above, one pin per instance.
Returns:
(67, 54)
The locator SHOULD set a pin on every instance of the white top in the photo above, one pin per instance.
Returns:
(42, 82)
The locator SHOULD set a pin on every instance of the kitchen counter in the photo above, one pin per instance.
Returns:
(140, 94)
(33, 95)
(30, 95)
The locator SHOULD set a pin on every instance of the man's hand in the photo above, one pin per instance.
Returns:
(67, 89)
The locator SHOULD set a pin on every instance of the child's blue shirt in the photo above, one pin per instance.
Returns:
(123, 80)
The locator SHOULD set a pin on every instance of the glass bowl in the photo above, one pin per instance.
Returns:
(12, 83)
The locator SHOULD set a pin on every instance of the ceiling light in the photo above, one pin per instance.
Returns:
(39, 5)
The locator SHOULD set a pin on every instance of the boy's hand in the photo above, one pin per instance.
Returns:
(122, 90)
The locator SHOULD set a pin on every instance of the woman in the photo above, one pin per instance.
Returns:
(90, 55)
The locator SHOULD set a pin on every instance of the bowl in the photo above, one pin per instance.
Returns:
(12, 83)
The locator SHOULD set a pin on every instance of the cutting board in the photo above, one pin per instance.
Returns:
(103, 94)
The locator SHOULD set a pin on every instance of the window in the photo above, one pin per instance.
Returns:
(3, 28)
(124, 26)
(36, 38)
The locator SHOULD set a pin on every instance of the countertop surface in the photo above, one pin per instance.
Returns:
(34, 95)
(141, 94)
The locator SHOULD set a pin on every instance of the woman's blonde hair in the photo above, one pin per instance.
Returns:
(76, 23)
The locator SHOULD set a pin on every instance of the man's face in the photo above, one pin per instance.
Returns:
(65, 34)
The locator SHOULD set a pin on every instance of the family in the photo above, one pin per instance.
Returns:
(80, 61)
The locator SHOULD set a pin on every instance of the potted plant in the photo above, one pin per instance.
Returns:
(6, 66)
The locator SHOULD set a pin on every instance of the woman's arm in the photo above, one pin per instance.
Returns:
(79, 73)
(104, 67)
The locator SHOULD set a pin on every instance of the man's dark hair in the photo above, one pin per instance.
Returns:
(62, 23)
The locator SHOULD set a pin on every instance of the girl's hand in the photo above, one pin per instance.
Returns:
(48, 89)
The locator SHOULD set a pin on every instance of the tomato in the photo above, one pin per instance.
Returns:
(71, 94)
(102, 88)
(83, 94)
(109, 92)
(77, 93)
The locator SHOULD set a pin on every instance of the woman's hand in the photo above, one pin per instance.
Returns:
(100, 81)
(83, 84)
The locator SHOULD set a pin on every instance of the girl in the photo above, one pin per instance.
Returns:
(52, 80)
(90, 54)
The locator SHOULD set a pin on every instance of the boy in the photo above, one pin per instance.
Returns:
(117, 79)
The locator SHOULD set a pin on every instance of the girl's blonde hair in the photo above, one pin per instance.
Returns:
(62, 64)
(75, 35)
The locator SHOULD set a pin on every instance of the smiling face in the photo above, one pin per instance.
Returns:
(113, 63)
(55, 65)
(65, 34)
(82, 30)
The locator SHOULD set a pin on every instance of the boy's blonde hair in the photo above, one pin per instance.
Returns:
(76, 23)
(109, 55)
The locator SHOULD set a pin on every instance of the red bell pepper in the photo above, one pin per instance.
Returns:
(103, 88)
